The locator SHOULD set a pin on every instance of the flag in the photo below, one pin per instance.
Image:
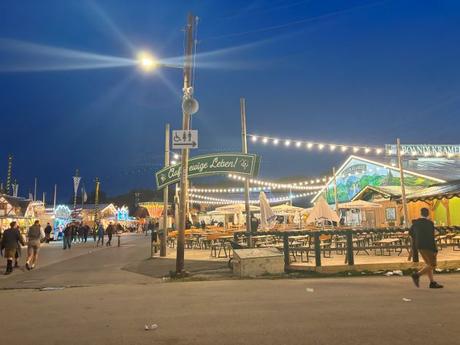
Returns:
(84, 195)
(76, 182)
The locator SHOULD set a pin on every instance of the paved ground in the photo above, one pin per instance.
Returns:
(108, 302)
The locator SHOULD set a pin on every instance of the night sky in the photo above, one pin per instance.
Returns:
(354, 71)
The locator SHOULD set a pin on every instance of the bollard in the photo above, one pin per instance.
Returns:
(286, 251)
(119, 242)
(317, 249)
(350, 254)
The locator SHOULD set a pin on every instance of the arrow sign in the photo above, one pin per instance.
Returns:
(185, 139)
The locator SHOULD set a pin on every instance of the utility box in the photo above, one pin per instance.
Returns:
(257, 261)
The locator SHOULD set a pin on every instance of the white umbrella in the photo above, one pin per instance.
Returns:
(267, 217)
(321, 211)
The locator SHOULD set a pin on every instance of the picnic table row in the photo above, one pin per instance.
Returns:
(220, 242)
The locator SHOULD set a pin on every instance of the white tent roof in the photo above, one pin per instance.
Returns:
(359, 204)
(235, 208)
(322, 211)
(287, 209)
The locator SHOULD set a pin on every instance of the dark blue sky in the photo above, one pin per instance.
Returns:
(358, 72)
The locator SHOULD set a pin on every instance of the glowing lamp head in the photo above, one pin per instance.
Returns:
(146, 61)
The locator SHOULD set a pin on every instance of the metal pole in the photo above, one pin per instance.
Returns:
(35, 189)
(244, 142)
(335, 192)
(164, 233)
(403, 188)
(96, 201)
(44, 194)
(184, 159)
(55, 195)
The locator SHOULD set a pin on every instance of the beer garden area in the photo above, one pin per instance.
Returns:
(350, 220)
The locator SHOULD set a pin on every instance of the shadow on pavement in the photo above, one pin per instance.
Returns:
(160, 267)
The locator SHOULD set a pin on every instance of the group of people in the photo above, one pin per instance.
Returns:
(78, 232)
(75, 232)
(11, 241)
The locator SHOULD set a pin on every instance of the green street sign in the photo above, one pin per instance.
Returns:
(213, 164)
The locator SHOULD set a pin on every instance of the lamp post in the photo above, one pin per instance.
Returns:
(189, 107)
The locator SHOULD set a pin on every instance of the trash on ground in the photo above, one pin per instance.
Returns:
(152, 327)
(52, 288)
(407, 299)
(310, 290)
(398, 272)
(378, 272)
(439, 270)
(389, 274)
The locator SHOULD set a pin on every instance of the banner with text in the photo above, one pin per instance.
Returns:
(213, 164)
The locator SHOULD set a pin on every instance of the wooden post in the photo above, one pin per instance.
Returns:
(286, 251)
(244, 142)
(350, 254)
(164, 233)
(403, 188)
(445, 203)
(317, 249)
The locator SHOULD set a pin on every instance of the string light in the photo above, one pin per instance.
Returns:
(320, 146)
(203, 198)
(301, 185)
(333, 147)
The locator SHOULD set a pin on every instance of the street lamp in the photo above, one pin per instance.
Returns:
(147, 61)
(189, 106)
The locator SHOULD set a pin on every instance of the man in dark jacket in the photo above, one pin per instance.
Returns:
(422, 231)
(86, 230)
(67, 238)
(11, 239)
(48, 230)
(109, 231)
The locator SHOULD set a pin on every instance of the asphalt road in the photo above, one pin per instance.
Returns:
(106, 303)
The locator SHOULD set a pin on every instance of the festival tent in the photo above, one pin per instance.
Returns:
(322, 212)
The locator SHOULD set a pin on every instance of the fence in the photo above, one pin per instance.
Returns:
(348, 242)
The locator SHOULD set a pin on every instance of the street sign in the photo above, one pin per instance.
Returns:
(212, 164)
(185, 139)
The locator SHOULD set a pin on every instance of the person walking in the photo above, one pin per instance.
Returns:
(48, 230)
(110, 231)
(67, 236)
(34, 237)
(11, 239)
(100, 235)
(86, 230)
(422, 230)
